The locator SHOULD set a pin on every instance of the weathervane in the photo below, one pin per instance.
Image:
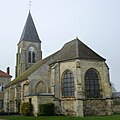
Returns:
(30, 4)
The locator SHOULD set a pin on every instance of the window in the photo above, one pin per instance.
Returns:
(1, 86)
(31, 55)
(1, 104)
(92, 84)
(68, 84)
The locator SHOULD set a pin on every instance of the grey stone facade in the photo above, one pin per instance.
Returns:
(60, 78)
(22, 63)
(45, 78)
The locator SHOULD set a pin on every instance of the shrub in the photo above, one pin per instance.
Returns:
(26, 108)
(46, 109)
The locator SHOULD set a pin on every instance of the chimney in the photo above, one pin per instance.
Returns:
(8, 70)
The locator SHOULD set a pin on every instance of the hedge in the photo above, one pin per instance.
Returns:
(26, 109)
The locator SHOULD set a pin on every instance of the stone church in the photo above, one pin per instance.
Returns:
(74, 78)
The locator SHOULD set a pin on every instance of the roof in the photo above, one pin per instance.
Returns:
(74, 49)
(116, 94)
(3, 74)
(28, 72)
(29, 32)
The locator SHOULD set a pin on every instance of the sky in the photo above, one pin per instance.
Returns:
(94, 22)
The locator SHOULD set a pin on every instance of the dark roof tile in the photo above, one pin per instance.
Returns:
(76, 49)
(29, 32)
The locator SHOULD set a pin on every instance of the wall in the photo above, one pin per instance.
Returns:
(4, 80)
(42, 74)
(52, 77)
(116, 105)
(22, 55)
(79, 68)
(97, 107)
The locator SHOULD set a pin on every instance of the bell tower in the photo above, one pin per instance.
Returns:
(29, 47)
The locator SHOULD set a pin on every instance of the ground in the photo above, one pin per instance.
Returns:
(113, 117)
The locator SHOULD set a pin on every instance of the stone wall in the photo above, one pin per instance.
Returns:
(97, 107)
(116, 105)
(22, 55)
(79, 68)
(40, 75)
(116, 109)
(68, 107)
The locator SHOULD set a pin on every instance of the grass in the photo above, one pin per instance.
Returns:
(114, 117)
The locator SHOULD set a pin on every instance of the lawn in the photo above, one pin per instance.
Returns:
(114, 117)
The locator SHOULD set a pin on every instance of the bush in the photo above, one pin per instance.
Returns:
(46, 109)
(26, 108)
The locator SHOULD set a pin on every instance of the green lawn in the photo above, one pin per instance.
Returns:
(114, 117)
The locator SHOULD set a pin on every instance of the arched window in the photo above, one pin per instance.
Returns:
(31, 55)
(40, 87)
(68, 84)
(92, 84)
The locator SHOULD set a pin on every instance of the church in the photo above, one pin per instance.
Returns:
(74, 78)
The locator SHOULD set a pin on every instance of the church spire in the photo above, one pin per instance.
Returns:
(29, 47)
(29, 32)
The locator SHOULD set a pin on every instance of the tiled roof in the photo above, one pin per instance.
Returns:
(29, 32)
(74, 49)
(3, 74)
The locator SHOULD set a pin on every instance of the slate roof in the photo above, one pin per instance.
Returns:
(3, 74)
(74, 49)
(29, 32)
(116, 94)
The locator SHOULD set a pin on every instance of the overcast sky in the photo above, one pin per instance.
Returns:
(95, 22)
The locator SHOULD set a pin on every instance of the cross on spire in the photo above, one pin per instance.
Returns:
(30, 4)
